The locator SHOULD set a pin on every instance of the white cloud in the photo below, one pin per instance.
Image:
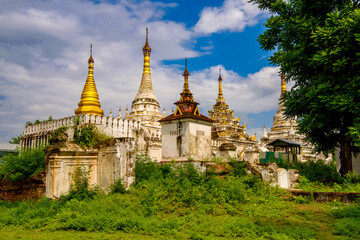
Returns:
(44, 47)
(251, 94)
(233, 15)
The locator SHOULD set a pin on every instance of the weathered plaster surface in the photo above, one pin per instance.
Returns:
(105, 166)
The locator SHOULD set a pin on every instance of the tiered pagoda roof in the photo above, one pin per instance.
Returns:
(186, 106)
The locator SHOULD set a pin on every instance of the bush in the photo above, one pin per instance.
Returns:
(118, 187)
(18, 166)
(316, 171)
(238, 168)
(58, 136)
(146, 169)
(88, 136)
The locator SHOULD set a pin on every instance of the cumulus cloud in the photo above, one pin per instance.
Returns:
(44, 48)
(254, 93)
(233, 15)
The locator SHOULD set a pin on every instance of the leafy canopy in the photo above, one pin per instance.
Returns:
(317, 45)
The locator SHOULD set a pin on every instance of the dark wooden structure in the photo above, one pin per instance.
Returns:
(287, 147)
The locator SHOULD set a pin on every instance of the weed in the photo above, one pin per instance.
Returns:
(80, 189)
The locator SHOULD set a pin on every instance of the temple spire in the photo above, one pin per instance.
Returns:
(147, 52)
(264, 133)
(145, 106)
(119, 114)
(186, 95)
(89, 102)
(220, 95)
(186, 75)
(146, 90)
(283, 84)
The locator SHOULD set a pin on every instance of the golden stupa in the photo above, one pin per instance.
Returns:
(89, 102)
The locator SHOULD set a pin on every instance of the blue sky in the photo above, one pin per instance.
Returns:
(44, 47)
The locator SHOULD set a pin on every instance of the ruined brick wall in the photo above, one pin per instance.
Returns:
(30, 188)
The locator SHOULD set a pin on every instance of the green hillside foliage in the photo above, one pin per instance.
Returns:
(175, 201)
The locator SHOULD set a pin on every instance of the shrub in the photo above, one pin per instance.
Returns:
(316, 171)
(117, 187)
(88, 136)
(238, 168)
(146, 169)
(58, 136)
(21, 165)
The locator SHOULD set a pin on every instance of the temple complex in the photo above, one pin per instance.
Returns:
(226, 130)
(186, 133)
(185, 130)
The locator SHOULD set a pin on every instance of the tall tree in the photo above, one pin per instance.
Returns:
(317, 45)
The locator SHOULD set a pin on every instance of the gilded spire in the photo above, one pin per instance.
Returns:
(89, 102)
(220, 96)
(147, 52)
(146, 90)
(186, 95)
(283, 84)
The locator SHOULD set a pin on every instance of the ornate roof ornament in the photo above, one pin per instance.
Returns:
(186, 94)
(186, 107)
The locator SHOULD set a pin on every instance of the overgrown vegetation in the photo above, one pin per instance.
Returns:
(318, 176)
(88, 136)
(19, 165)
(175, 201)
(37, 121)
(80, 188)
(16, 140)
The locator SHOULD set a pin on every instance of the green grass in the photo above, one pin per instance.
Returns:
(170, 202)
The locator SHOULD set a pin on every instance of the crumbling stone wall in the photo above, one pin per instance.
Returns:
(105, 165)
(30, 188)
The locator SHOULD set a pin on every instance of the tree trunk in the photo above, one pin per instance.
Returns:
(345, 155)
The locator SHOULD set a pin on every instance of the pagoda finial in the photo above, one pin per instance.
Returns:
(147, 52)
(220, 95)
(89, 102)
(186, 75)
(119, 114)
(186, 95)
(264, 133)
(283, 84)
